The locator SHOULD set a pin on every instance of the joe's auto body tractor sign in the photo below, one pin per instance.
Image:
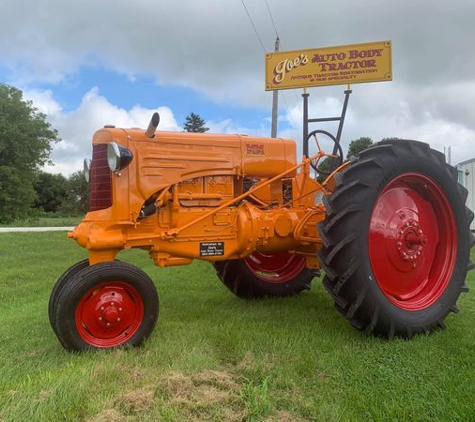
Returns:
(357, 63)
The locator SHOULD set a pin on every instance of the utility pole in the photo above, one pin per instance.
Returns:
(275, 101)
(448, 155)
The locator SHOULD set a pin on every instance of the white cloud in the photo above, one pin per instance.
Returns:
(43, 101)
(77, 127)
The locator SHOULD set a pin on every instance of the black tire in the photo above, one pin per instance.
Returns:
(58, 287)
(248, 279)
(396, 240)
(107, 305)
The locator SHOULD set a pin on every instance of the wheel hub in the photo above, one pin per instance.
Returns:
(410, 241)
(109, 313)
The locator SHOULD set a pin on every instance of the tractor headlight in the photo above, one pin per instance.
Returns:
(87, 169)
(118, 157)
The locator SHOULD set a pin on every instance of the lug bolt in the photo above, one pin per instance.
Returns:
(102, 308)
(419, 231)
(118, 319)
(120, 309)
(112, 304)
(399, 243)
(108, 324)
(100, 318)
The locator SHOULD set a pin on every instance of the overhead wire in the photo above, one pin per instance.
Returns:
(272, 19)
(283, 95)
(264, 49)
(254, 26)
(291, 118)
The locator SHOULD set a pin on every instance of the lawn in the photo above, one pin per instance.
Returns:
(45, 221)
(215, 357)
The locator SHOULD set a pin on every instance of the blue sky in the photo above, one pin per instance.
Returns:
(90, 63)
(143, 90)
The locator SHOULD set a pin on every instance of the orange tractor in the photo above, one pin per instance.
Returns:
(389, 229)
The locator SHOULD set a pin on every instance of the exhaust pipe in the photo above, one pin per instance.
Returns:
(152, 127)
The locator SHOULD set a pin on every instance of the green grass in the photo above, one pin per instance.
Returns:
(215, 357)
(45, 221)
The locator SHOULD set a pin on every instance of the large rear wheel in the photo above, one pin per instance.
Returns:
(106, 305)
(397, 240)
(265, 274)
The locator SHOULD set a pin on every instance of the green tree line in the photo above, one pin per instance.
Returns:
(26, 141)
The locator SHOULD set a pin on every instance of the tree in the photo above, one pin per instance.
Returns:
(194, 123)
(25, 144)
(77, 200)
(358, 145)
(326, 166)
(51, 191)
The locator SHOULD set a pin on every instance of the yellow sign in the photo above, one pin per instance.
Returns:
(348, 64)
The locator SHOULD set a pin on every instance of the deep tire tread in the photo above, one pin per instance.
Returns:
(366, 308)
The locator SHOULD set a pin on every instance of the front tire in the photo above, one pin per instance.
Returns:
(106, 305)
(265, 275)
(396, 240)
(58, 287)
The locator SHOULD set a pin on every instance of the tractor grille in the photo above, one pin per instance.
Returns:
(101, 183)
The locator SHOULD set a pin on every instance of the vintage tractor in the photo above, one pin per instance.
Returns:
(389, 229)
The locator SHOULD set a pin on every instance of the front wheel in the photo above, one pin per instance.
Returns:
(58, 287)
(265, 274)
(106, 305)
(396, 240)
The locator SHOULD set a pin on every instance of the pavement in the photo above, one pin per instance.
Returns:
(35, 229)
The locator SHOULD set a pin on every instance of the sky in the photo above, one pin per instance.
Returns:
(90, 63)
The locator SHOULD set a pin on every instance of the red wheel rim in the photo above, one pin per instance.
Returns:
(412, 241)
(109, 314)
(277, 267)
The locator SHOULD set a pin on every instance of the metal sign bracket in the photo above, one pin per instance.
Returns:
(307, 121)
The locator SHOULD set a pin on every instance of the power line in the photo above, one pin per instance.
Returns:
(264, 49)
(254, 26)
(291, 118)
(272, 19)
(283, 96)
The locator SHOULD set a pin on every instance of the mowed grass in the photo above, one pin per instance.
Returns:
(215, 357)
(45, 221)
